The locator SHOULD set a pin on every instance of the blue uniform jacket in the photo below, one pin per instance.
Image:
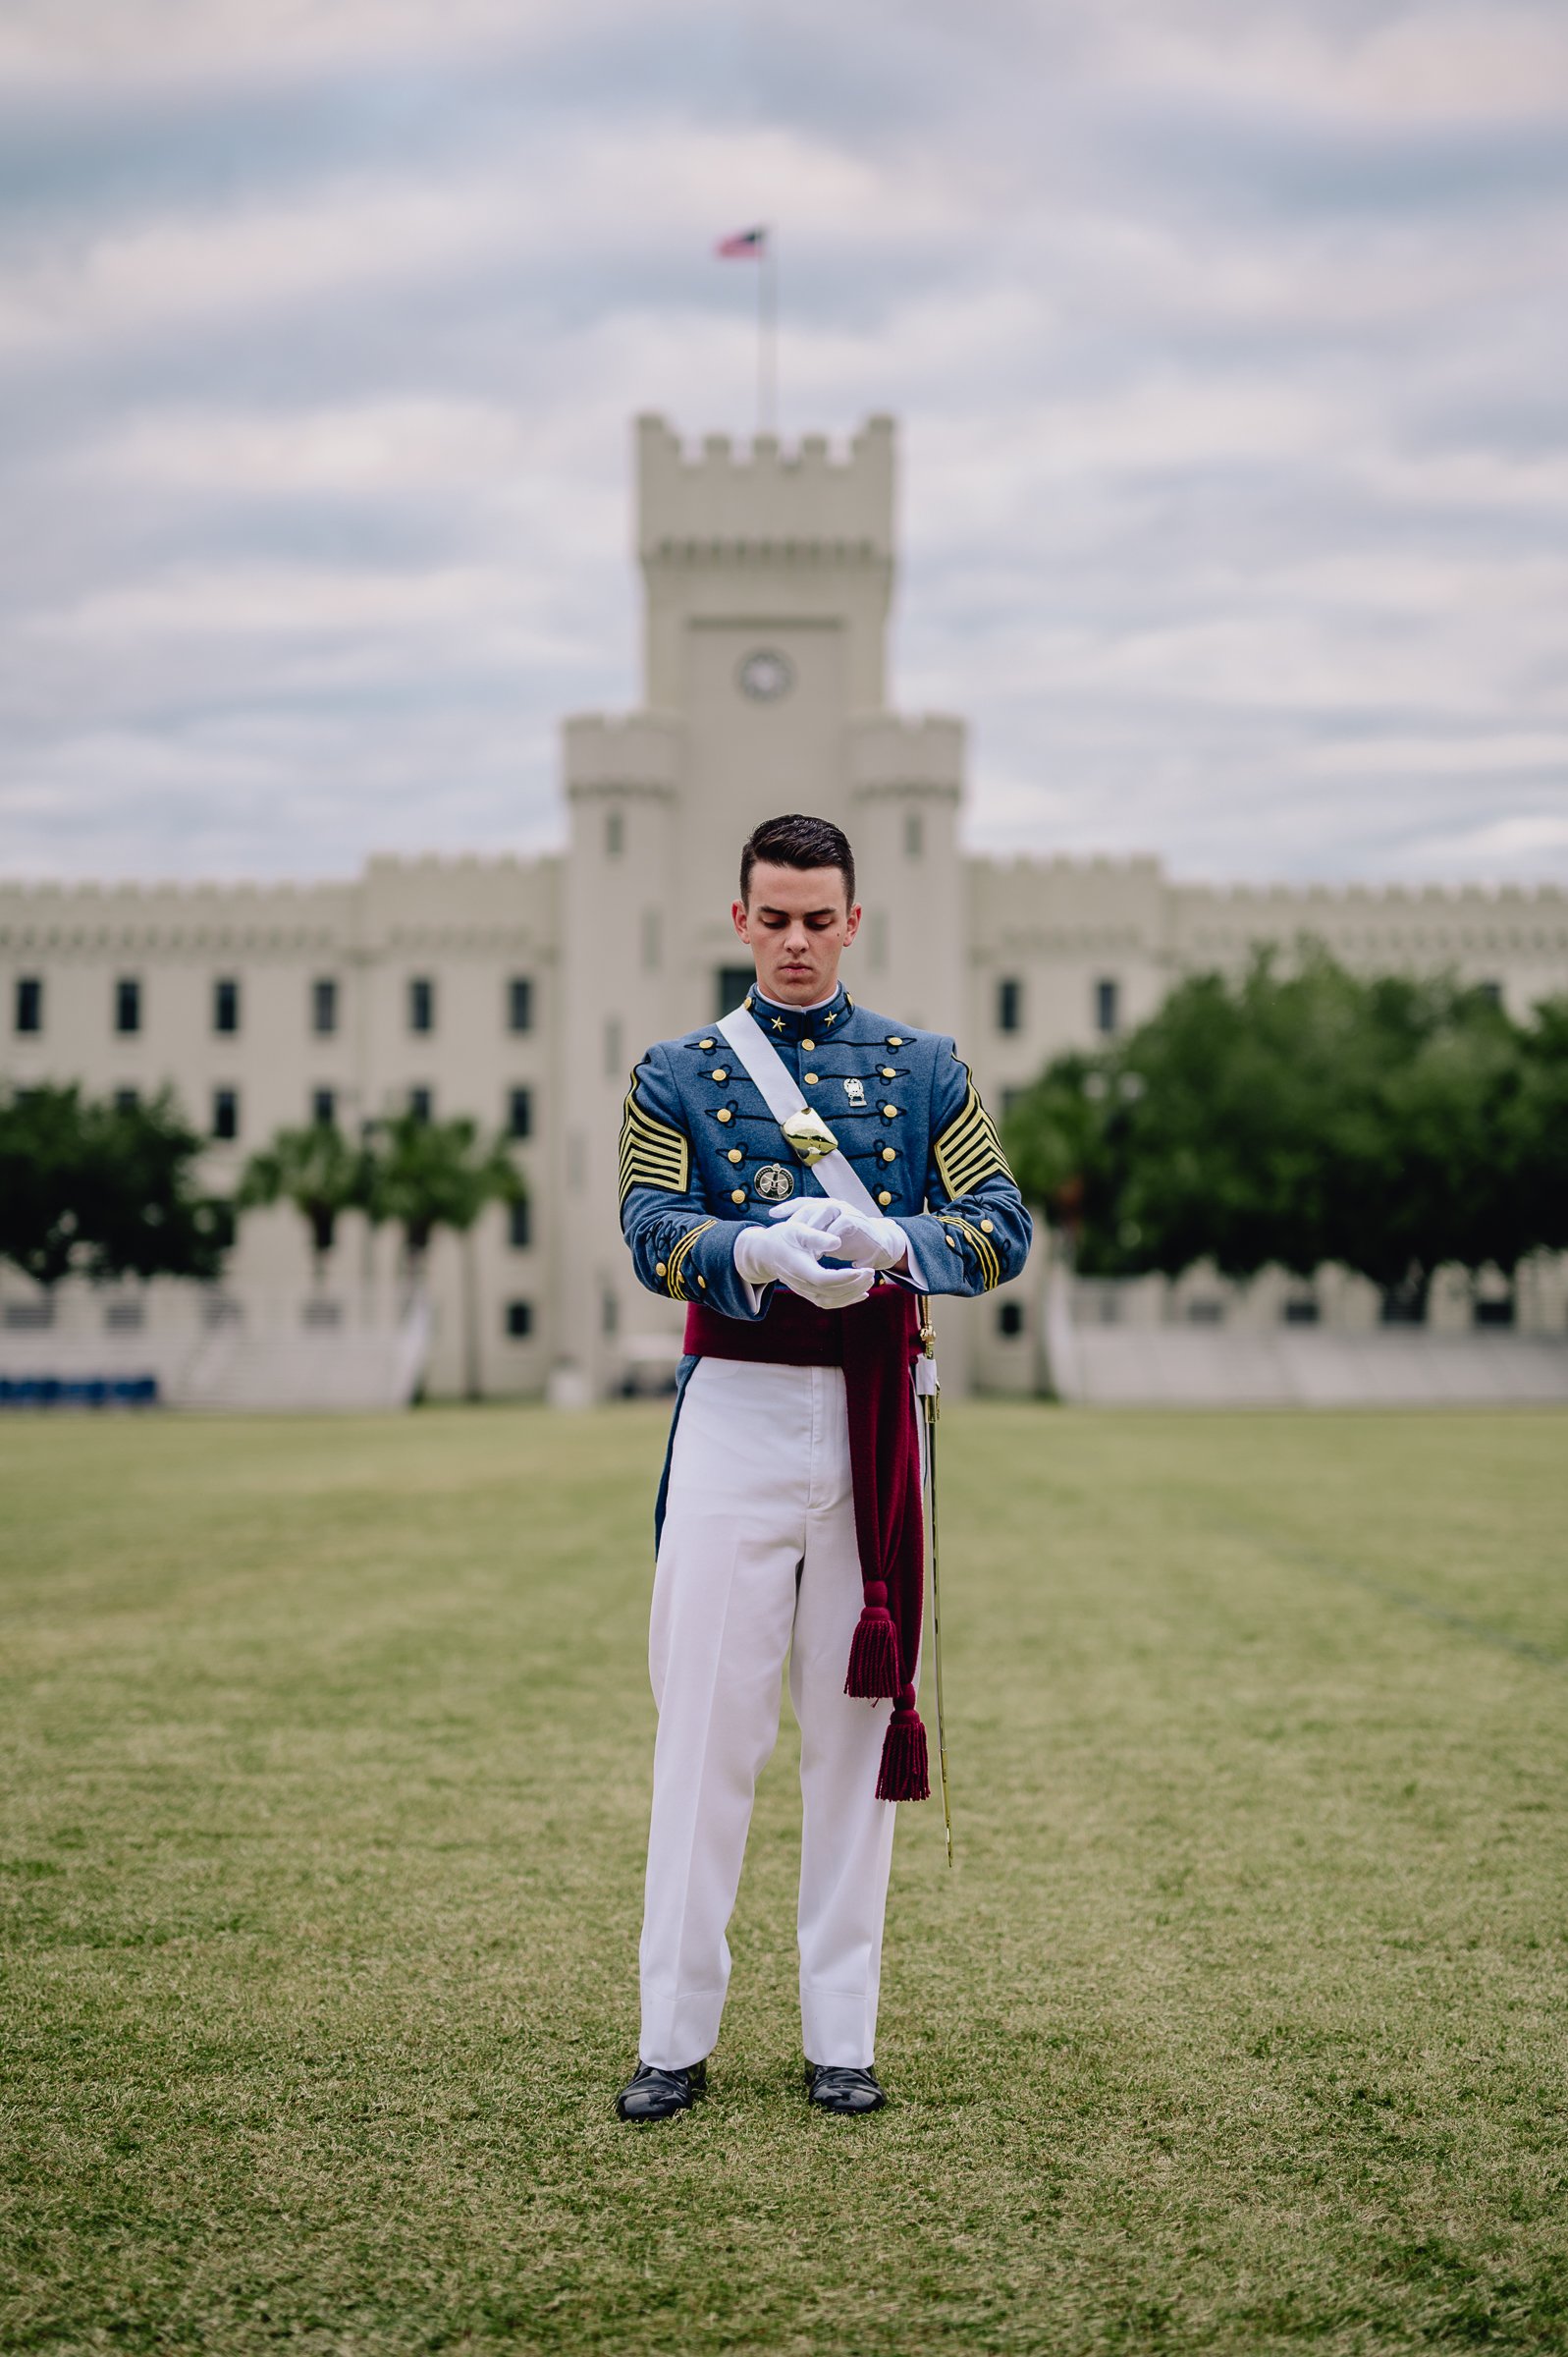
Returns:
(700, 1153)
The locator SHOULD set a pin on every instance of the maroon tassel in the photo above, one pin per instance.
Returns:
(906, 1775)
(874, 1651)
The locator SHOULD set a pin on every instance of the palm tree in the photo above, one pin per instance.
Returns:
(427, 1175)
(318, 1171)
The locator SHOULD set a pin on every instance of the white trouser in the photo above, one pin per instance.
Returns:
(757, 1558)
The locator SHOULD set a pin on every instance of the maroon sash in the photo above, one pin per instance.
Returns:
(875, 1343)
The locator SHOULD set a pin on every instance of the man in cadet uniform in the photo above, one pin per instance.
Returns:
(790, 1511)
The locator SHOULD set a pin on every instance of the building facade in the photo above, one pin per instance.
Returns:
(520, 990)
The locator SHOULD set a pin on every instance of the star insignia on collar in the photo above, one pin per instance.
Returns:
(777, 1022)
(830, 1019)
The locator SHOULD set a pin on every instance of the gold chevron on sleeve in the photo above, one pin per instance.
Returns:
(985, 1250)
(675, 1260)
(652, 1154)
(969, 1150)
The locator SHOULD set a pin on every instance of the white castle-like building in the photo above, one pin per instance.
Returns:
(520, 990)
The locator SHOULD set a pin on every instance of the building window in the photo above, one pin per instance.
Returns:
(520, 1113)
(519, 1320)
(614, 834)
(520, 1223)
(30, 1002)
(225, 1113)
(226, 1004)
(128, 1005)
(24, 1317)
(421, 1003)
(1011, 1097)
(125, 1317)
(519, 1003)
(651, 944)
(1494, 1309)
(127, 1100)
(609, 1314)
(421, 1102)
(1492, 991)
(730, 985)
(613, 1063)
(1301, 1310)
(223, 1222)
(1009, 1319)
(324, 1006)
(324, 1108)
(914, 835)
(1108, 1005)
(1009, 1004)
(1205, 1311)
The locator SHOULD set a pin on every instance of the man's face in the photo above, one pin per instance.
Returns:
(797, 923)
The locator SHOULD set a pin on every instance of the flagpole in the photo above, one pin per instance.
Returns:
(767, 334)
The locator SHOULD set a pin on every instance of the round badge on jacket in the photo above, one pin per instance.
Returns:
(775, 1181)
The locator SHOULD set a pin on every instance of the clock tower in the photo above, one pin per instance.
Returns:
(768, 579)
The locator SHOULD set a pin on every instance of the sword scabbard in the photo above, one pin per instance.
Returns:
(931, 1400)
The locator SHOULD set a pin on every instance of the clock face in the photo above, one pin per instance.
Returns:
(766, 676)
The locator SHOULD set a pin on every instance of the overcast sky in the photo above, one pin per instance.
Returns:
(1228, 339)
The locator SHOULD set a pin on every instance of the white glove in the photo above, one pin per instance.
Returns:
(858, 1236)
(791, 1253)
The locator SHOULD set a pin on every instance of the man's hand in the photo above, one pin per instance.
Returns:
(858, 1237)
(791, 1253)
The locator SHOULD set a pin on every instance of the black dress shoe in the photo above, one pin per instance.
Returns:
(840, 2087)
(651, 2094)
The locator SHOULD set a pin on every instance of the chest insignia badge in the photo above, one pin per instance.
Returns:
(855, 1091)
(774, 1182)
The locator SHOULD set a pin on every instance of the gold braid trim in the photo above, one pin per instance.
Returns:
(675, 1261)
(652, 1154)
(969, 1151)
(985, 1250)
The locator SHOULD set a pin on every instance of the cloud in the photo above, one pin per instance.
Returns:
(1227, 339)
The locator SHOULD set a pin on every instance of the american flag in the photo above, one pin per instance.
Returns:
(746, 245)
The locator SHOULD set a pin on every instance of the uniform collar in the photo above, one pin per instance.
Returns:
(794, 1023)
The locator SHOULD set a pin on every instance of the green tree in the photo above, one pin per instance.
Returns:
(1536, 1128)
(97, 1189)
(1299, 1117)
(318, 1171)
(427, 1175)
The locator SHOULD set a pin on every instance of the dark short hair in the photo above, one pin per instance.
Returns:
(796, 841)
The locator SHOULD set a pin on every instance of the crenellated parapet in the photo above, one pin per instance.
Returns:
(93, 919)
(889, 754)
(765, 496)
(468, 899)
(1061, 904)
(633, 752)
(1428, 925)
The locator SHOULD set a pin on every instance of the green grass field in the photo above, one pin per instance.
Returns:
(1240, 2025)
